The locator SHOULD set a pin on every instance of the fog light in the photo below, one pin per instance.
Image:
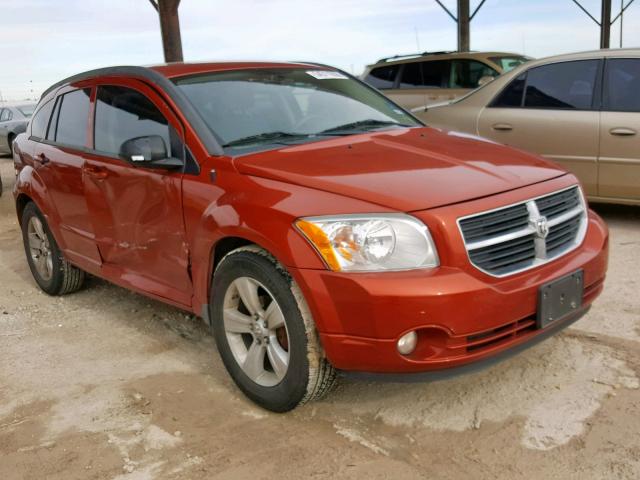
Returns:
(407, 343)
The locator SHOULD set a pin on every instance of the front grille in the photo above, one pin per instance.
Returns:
(527, 234)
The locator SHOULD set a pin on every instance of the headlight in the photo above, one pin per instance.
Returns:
(368, 243)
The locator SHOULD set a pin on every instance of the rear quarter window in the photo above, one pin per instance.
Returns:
(40, 120)
(383, 77)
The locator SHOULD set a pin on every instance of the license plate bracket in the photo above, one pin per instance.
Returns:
(559, 298)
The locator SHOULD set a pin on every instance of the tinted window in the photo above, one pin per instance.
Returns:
(467, 73)
(435, 73)
(123, 114)
(383, 77)
(567, 85)
(40, 120)
(424, 74)
(72, 117)
(412, 76)
(622, 92)
(512, 95)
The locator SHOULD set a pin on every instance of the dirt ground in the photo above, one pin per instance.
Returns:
(106, 384)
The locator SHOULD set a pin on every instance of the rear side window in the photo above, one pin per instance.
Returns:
(567, 85)
(622, 91)
(412, 76)
(432, 74)
(40, 120)
(467, 73)
(72, 115)
(5, 115)
(508, 63)
(512, 95)
(383, 77)
(123, 114)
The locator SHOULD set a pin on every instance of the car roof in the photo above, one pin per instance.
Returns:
(589, 54)
(445, 55)
(181, 69)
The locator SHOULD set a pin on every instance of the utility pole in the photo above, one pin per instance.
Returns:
(605, 22)
(170, 28)
(463, 21)
(464, 40)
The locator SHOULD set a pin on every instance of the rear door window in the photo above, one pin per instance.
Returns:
(70, 122)
(622, 85)
(40, 120)
(5, 115)
(467, 73)
(383, 77)
(122, 114)
(562, 86)
(431, 74)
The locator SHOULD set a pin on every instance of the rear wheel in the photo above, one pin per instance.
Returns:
(10, 139)
(51, 271)
(265, 333)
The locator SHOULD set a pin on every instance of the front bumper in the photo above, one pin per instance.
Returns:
(462, 316)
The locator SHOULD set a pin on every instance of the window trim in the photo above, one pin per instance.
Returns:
(597, 88)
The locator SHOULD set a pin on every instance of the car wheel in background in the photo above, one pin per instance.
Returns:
(264, 332)
(51, 271)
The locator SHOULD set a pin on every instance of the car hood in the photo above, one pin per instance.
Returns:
(404, 169)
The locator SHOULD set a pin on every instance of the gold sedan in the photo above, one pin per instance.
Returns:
(580, 110)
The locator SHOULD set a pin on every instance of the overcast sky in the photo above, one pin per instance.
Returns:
(42, 41)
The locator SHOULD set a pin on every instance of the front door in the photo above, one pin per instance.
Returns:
(551, 110)
(136, 211)
(619, 162)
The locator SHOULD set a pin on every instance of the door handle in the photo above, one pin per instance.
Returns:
(503, 127)
(42, 158)
(622, 132)
(95, 172)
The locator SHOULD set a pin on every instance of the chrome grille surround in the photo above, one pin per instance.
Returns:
(532, 240)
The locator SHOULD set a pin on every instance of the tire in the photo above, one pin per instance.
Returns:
(53, 274)
(308, 374)
(10, 140)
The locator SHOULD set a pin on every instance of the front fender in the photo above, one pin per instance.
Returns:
(259, 211)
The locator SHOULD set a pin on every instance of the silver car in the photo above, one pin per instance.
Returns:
(13, 121)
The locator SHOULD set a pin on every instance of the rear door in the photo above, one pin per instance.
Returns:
(422, 83)
(619, 162)
(551, 110)
(136, 211)
(60, 149)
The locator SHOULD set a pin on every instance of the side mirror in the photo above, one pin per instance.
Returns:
(149, 152)
(485, 79)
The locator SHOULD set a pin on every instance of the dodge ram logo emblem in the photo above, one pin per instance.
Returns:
(542, 227)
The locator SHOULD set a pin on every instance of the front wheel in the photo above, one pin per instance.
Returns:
(265, 333)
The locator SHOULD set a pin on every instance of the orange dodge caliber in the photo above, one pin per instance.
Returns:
(313, 223)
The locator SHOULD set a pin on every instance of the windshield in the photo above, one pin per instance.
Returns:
(288, 105)
(509, 63)
(27, 110)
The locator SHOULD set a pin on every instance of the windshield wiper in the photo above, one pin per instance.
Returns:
(362, 125)
(264, 137)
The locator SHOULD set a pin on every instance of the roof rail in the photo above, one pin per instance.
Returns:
(410, 55)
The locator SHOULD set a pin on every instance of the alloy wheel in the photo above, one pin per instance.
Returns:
(256, 331)
(40, 249)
